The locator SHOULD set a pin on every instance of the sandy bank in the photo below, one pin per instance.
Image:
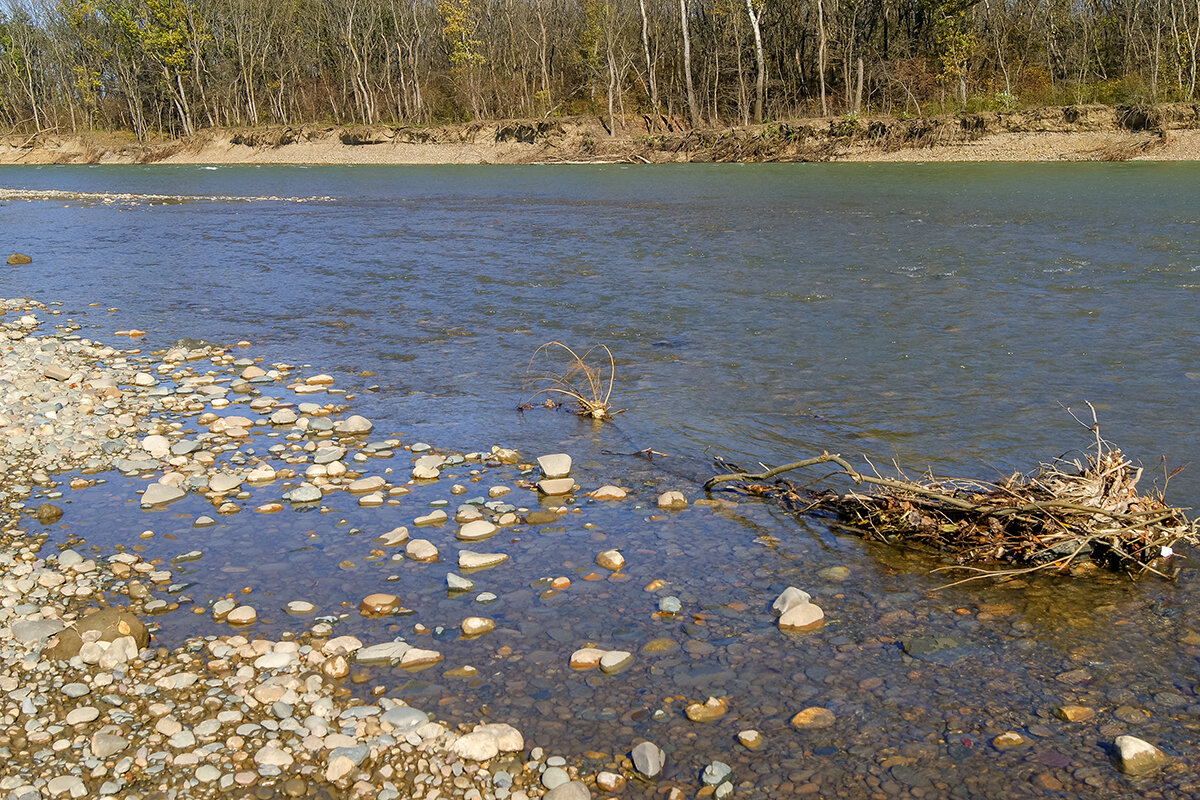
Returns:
(1072, 133)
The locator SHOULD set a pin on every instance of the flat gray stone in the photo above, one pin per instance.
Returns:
(404, 719)
(648, 759)
(29, 631)
(572, 790)
(304, 493)
(160, 494)
(556, 465)
(382, 653)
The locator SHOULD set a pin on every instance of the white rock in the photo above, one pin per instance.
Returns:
(556, 486)
(1136, 756)
(801, 617)
(223, 483)
(341, 645)
(272, 756)
(791, 596)
(428, 467)
(284, 416)
(648, 759)
(338, 767)
(275, 660)
(366, 485)
(435, 517)
(160, 494)
(611, 559)
(672, 500)
(615, 660)
(477, 626)
(157, 446)
(417, 657)
(508, 738)
(242, 615)
(263, 473)
(396, 536)
(353, 426)
(556, 465)
(421, 550)
(468, 559)
(477, 530)
(383, 653)
(476, 746)
(82, 714)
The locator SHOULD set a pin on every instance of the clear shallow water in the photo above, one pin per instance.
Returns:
(940, 315)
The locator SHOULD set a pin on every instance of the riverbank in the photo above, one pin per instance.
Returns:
(1071, 133)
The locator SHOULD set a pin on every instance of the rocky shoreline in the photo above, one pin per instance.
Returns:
(89, 707)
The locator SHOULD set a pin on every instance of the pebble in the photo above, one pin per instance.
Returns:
(572, 790)
(1135, 756)
(436, 517)
(242, 615)
(614, 661)
(586, 658)
(803, 617)
(554, 487)
(672, 500)
(1071, 713)
(608, 492)
(421, 550)
(477, 626)
(711, 709)
(379, 603)
(611, 560)
(1008, 740)
(750, 739)
(556, 465)
(477, 530)
(476, 746)
(670, 605)
(394, 537)
(160, 494)
(813, 717)
(468, 559)
(648, 759)
(457, 583)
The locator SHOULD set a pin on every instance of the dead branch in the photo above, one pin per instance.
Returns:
(1050, 519)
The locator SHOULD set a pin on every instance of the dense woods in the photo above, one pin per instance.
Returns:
(174, 66)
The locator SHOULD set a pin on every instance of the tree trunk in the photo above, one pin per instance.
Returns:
(821, 55)
(760, 88)
(693, 107)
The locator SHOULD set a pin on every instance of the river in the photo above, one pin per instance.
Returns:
(941, 316)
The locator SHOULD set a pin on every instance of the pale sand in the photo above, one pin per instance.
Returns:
(479, 146)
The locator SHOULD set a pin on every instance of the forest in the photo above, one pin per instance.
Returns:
(172, 67)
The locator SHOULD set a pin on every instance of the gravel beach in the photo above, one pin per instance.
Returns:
(90, 706)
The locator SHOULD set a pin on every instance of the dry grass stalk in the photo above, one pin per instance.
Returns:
(1062, 515)
(566, 373)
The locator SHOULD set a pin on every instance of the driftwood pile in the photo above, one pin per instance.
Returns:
(1064, 514)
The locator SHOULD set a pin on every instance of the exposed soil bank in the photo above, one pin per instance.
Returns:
(1070, 133)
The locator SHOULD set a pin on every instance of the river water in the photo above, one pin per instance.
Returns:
(939, 316)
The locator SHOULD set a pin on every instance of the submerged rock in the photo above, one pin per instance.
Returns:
(1135, 756)
(648, 759)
